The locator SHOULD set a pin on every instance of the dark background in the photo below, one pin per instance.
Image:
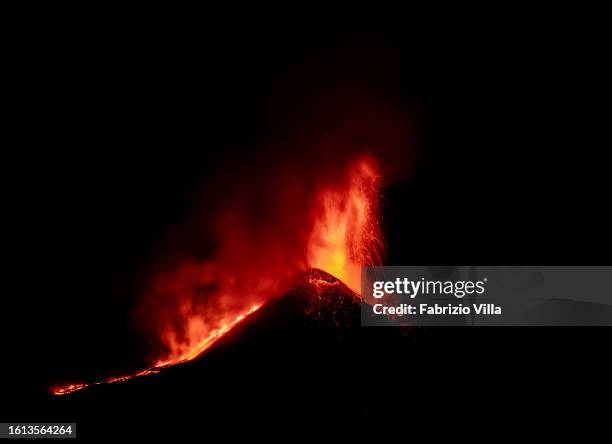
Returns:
(119, 116)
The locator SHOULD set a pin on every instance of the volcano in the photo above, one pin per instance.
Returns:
(302, 359)
(317, 299)
(300, 351)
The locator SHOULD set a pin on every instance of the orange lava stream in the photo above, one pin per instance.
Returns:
(205, 344)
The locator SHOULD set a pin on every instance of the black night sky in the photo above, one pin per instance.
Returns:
(122, 119)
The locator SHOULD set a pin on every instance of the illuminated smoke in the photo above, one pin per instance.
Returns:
(336, 230)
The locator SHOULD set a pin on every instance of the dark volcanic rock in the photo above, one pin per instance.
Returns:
(302, 353)
(320, 302)
(304, 360)
(298, 351)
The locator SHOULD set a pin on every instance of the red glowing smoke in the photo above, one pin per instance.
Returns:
(337, 231)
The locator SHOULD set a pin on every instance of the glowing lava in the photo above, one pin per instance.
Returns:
(201, 302)
(198, 350)
(346, 234)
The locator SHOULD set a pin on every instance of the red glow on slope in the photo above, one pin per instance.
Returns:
(208, 340)
(198, 350)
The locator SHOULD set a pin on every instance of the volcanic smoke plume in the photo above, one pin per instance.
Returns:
(269, 226)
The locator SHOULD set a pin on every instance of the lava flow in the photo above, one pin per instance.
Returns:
(336, 229)
(205, 344)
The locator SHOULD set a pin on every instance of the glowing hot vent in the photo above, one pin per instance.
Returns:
(346, 234)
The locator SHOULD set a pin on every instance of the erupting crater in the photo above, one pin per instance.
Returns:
(205, 302)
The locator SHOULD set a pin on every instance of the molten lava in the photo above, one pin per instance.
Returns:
(346, 234)
(199, 302)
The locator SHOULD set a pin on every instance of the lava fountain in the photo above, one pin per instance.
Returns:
(346, 233)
